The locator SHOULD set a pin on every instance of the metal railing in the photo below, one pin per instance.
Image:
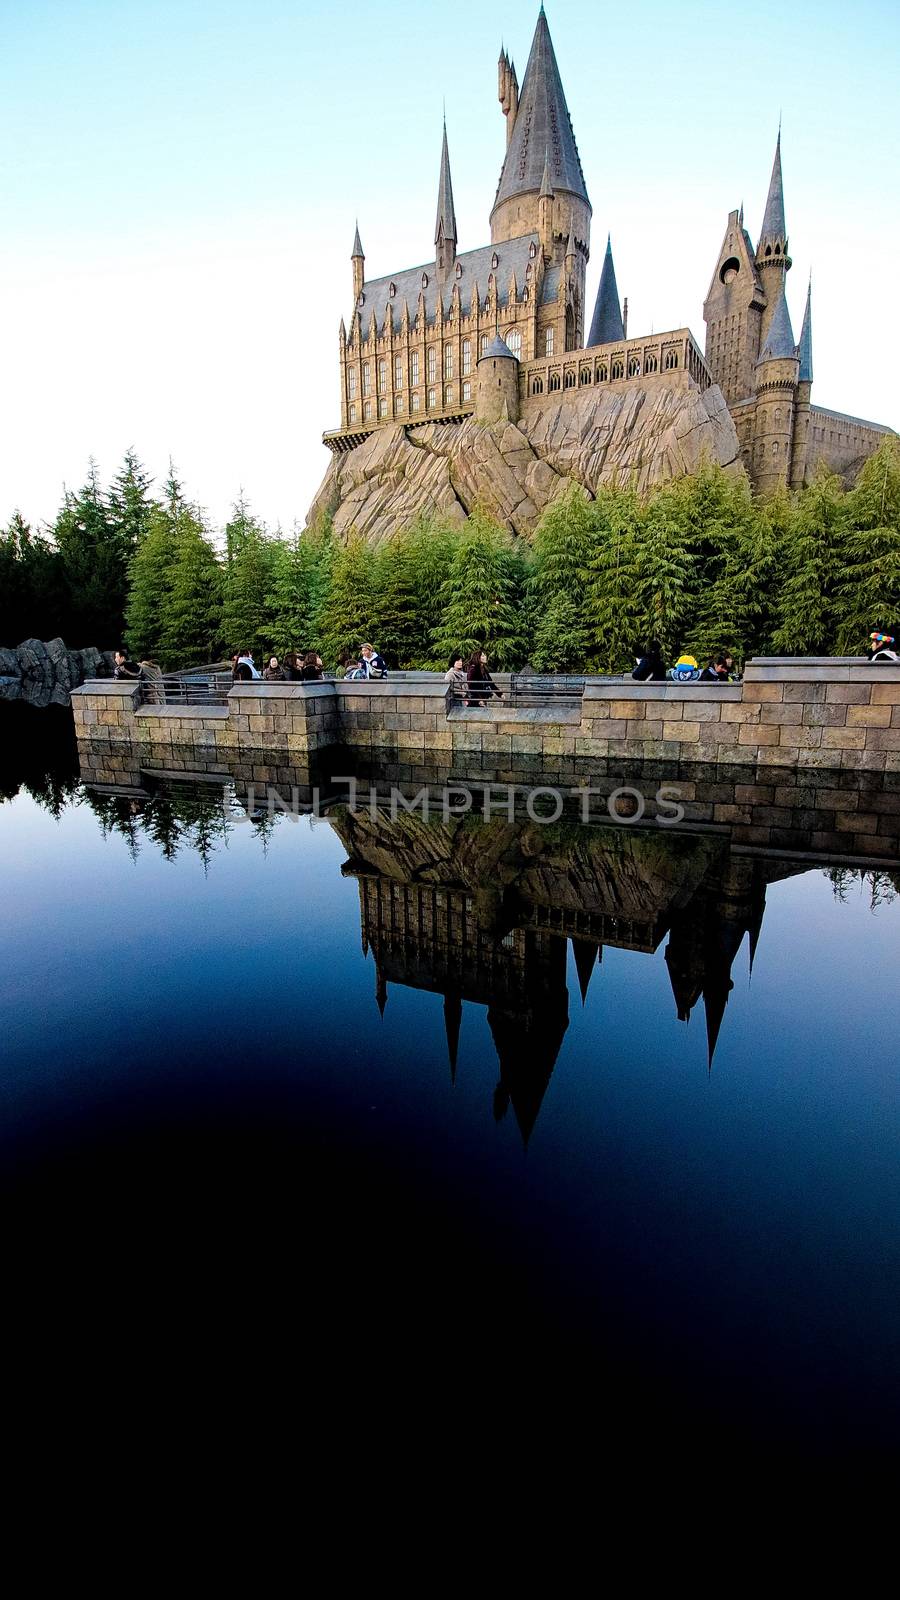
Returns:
(522, 690)
(194, 689)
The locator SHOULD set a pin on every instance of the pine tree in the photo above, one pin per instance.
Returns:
(810, 563)
(147, 611)
(299, 580)
(867, 595)
(95, 562)
(408, 574)
(563, 547)
(247, 614)
(347, 613)
(192, 629)
(720, 527)
(481, 598)
(610, 603)
(130, 503)
(663, 572)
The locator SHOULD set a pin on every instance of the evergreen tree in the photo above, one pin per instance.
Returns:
(810, 561)
(347, 614)
(130, 503)
(192, 628)
(867, 595)
(33, 593)
(663, 572)
(95, 561)
(610, 603)
(720, 527)
(247, 615)
(147, 611)
(481, 596)
(563, 547)
(408, 575)
(298, 587)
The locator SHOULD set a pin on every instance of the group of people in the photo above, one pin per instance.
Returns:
(473, 680)
(307, 666)
(650, 667)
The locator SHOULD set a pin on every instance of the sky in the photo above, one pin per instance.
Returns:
(180, 180)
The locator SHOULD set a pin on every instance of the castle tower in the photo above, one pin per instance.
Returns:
(541, 145)
(606, 324)
(732, 312)
(507, 92)
(445, 222)
(800, 462)
(777, 376)
(772, 259)
(497, 384)
(359, 266)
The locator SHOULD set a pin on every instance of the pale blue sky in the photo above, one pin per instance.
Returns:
(179, 184)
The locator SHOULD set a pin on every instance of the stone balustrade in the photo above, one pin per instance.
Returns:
(805, 714)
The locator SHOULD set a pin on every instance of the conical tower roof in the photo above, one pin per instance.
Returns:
(445, 222)
(357, 246)
(805, 346)
(606, 324)
(773, 228)
(585, 954)
(780, 341)
(542, 124)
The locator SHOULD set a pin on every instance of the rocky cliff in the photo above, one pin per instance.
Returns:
(649, 433)
(44, 674)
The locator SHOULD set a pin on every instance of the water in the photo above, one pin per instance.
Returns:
(430, 1164)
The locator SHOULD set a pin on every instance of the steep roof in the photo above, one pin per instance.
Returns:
(445, 222)
(780, 338)
(773, 228)
(542, 125)
(498, 347)
(475, 266)
(606, 324)
(805, 348)
(357, 246)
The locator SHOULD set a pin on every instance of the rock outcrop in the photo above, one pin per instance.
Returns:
(647, 433)
(45, 674)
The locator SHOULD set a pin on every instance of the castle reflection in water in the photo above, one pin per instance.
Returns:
(483, 909)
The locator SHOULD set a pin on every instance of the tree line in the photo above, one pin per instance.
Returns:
(699, 564)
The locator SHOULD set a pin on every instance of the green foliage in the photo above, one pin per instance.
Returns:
(151, 581)
(347, 614)
(298, 587)
(811, 559)
(480, 598)
(611, 596)
(95, 553)
(408, 578)
(192, 630)
(663, 573)
(247, 620)
(563, 545)
(867, 594)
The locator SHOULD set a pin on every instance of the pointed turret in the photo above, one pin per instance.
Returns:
(606, 324)
(586, 957)
(774, 233)
(546, 185)
(452, 1023)
(545, 209)
(359, 265)
(805, 346)
(445, 222)
(780, 344)
(542, 124)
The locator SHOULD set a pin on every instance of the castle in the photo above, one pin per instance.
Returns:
(492, 332)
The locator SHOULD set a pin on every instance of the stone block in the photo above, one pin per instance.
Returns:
(777, 755)
(681, 732)
(752, 794)
(885, 694)
(816, 758)
(591, 747)
(824, 716)
(749, 734)
(805, 693)
(881, 738)
(847, 694)
(627, 708)
(784, 716)
(844, 738)
(736, 711)
(754, 693)
(864, 716)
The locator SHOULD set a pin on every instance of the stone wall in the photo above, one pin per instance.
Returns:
(797, 715)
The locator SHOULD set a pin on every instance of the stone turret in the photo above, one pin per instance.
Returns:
(497, 384)
(359, 266)
(606, 324)
(507, 92)
(445, 222)
(772, 259)
(545, 210)
(777, 375)
(800, 463)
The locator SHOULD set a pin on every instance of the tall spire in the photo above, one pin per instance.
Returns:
(773, 227)
(546, 185)
(542, 123)
(606, 324)
(358, 252)
(445, 223)
(779, 343)
(805, 347)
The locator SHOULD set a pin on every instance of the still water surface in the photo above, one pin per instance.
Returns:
(319, 1080)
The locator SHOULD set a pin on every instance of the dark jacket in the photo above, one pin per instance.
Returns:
(310, 674)
(480, 683)
(652, 667)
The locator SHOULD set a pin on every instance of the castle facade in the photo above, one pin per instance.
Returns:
(492, 332)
